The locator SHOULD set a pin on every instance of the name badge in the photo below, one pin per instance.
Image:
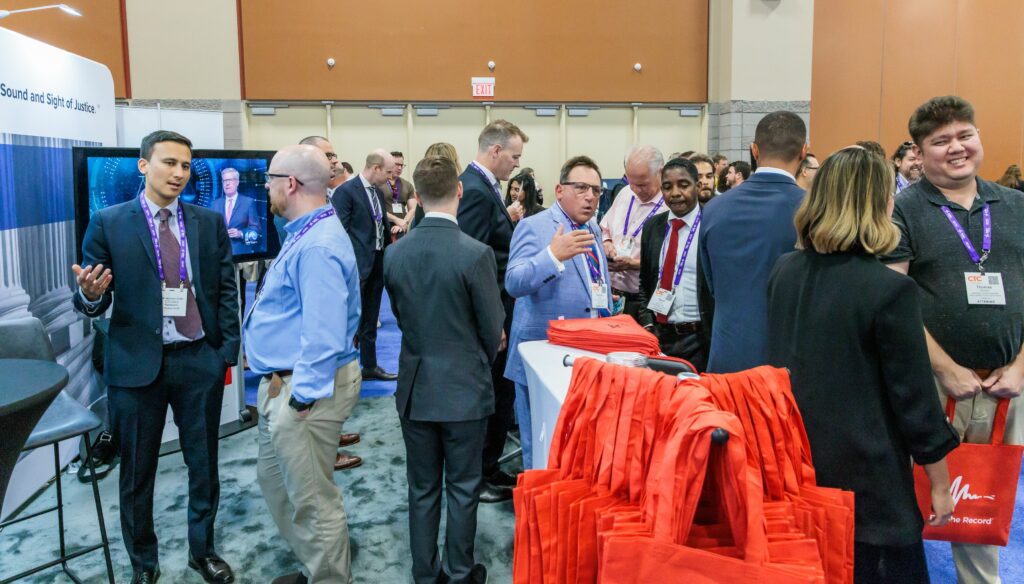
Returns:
(985, 288)
(599, 295)
(625, 247)
(397, 208)
(661, 302)
(175, 301)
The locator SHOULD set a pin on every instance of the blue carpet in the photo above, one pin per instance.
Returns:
(389, 342)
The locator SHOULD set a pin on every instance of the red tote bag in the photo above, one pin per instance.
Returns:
(983, 481)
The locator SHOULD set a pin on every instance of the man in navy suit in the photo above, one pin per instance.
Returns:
(484, 217)
(240, 214)
(557, 268)
(359, 206)
(173, 333)
(741, 237)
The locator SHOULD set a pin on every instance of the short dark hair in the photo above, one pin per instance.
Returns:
(397, 154)
(151, 140)
(348, 167)
(719, 157)
(576, 161)
(700, 157)
(938, 112)
(872, 147)
(436, 179)
(780, 135)
(688, 166)
(901, 150)
(687, 154)
(741, 167)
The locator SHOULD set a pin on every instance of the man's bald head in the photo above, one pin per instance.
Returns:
(306, 163)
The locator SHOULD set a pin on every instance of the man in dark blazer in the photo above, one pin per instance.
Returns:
(483, 216)
(239, 212)
(741, 237)
(443, 289)
(358, 204)
(170, 344)
(675, 316)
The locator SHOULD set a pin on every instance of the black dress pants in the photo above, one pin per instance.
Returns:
(500, 422)
(191, 382)
(691, 346)
(370, 289)
(875, 564)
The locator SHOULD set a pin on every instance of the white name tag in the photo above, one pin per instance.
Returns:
(397, 208)
(599, 295)
(661, 302)
(985, 288)
(625, 247)
(175, 301)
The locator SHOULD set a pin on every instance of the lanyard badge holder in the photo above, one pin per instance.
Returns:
(598, 287)
(174, 300)
(983, 288)
(627, 244)
(662, 299)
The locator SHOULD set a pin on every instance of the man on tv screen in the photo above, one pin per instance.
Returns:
(240, 214)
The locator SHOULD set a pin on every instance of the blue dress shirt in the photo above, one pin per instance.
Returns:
(306, 315)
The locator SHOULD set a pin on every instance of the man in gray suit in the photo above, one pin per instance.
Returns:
(445, 392)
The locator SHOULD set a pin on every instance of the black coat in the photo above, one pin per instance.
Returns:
(482, 216)
(352, 204)
(850, 331)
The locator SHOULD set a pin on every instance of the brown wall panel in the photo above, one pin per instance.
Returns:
(571, 50)
(96, 35)
(845, 83)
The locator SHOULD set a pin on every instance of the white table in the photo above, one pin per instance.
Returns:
(548, 380)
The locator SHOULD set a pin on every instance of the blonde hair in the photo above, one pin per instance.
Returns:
(443, 150)
(848, 205)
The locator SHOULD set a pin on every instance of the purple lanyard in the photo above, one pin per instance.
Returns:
(592, 262)
(182, 269)
(986, 241)
(375, 209)
(686, 250)
(629, 212)
(476, 168)
(396, 190)
(305, 229)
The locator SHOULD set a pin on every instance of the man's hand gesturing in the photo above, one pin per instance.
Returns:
(93, 281)
(567, 245)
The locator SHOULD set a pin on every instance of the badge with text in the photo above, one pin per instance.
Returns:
(985, 288)
(397, 208)
(599, 295)
(175, 301)
(625, 247)
(661, 302)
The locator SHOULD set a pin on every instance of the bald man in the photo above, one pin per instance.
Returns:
(308, 388)
(360, 208)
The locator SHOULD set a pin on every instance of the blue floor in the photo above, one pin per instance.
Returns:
(940, 561)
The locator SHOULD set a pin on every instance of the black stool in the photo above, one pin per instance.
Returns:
(64, 419)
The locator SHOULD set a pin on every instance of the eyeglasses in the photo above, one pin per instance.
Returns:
(582, 187)
(268, 176)
(331, 155)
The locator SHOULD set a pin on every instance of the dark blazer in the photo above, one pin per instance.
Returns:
(850, 331)
(352, 205)
(244, 216)
(444, 293)
(118, 237)
(742, 234)
(482, 216)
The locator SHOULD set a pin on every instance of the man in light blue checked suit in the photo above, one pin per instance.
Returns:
(556, 268)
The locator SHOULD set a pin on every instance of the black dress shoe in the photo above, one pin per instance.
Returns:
(378, 373)
(293, 578)
(213, 569)
(146, 577)
(478, 575)
(494, 494)
(501, 479)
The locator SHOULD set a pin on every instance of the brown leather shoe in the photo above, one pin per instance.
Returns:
(348, 439)
(346, 461)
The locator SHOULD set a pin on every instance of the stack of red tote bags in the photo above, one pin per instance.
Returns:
(636, 490)
(604, 335)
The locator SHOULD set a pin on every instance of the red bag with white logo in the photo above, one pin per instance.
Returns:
(983, 482)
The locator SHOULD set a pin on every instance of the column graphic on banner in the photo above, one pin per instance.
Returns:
(483, 87)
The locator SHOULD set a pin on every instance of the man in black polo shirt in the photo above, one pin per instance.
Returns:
(963, 243)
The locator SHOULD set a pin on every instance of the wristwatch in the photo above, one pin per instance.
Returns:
(299, 406)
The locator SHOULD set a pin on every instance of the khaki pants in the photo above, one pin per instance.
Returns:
(295, 471)
(979, 564)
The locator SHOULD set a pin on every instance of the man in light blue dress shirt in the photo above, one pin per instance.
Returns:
(299, 338)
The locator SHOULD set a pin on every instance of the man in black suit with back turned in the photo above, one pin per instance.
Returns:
(482, 216)
(173, 333)
(358, 204)
(444, 382)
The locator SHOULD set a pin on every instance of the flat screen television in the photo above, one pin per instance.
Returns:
(109, 176)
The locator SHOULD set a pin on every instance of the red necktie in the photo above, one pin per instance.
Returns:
(668, 271)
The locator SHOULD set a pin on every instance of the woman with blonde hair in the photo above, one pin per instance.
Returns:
(443, 150)
(849, 329)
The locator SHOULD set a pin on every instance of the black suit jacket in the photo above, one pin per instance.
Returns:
(119, 238)
(352, 205)
(482, 216)
(444, 294)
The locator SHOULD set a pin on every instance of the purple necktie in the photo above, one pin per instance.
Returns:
(170, 253)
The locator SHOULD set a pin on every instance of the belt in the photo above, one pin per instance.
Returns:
(179, 345)
(681, 328)
(282, 373)
(626, 295)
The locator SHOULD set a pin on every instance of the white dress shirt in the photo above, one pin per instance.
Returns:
(685, 307)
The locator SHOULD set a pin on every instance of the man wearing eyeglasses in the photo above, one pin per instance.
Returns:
(807, 171)
(325, 146)
(398, 199)
(557, 268)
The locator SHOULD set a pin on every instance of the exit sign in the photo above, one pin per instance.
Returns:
(483, 87)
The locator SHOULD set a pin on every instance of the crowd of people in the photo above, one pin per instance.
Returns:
(860, 274)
